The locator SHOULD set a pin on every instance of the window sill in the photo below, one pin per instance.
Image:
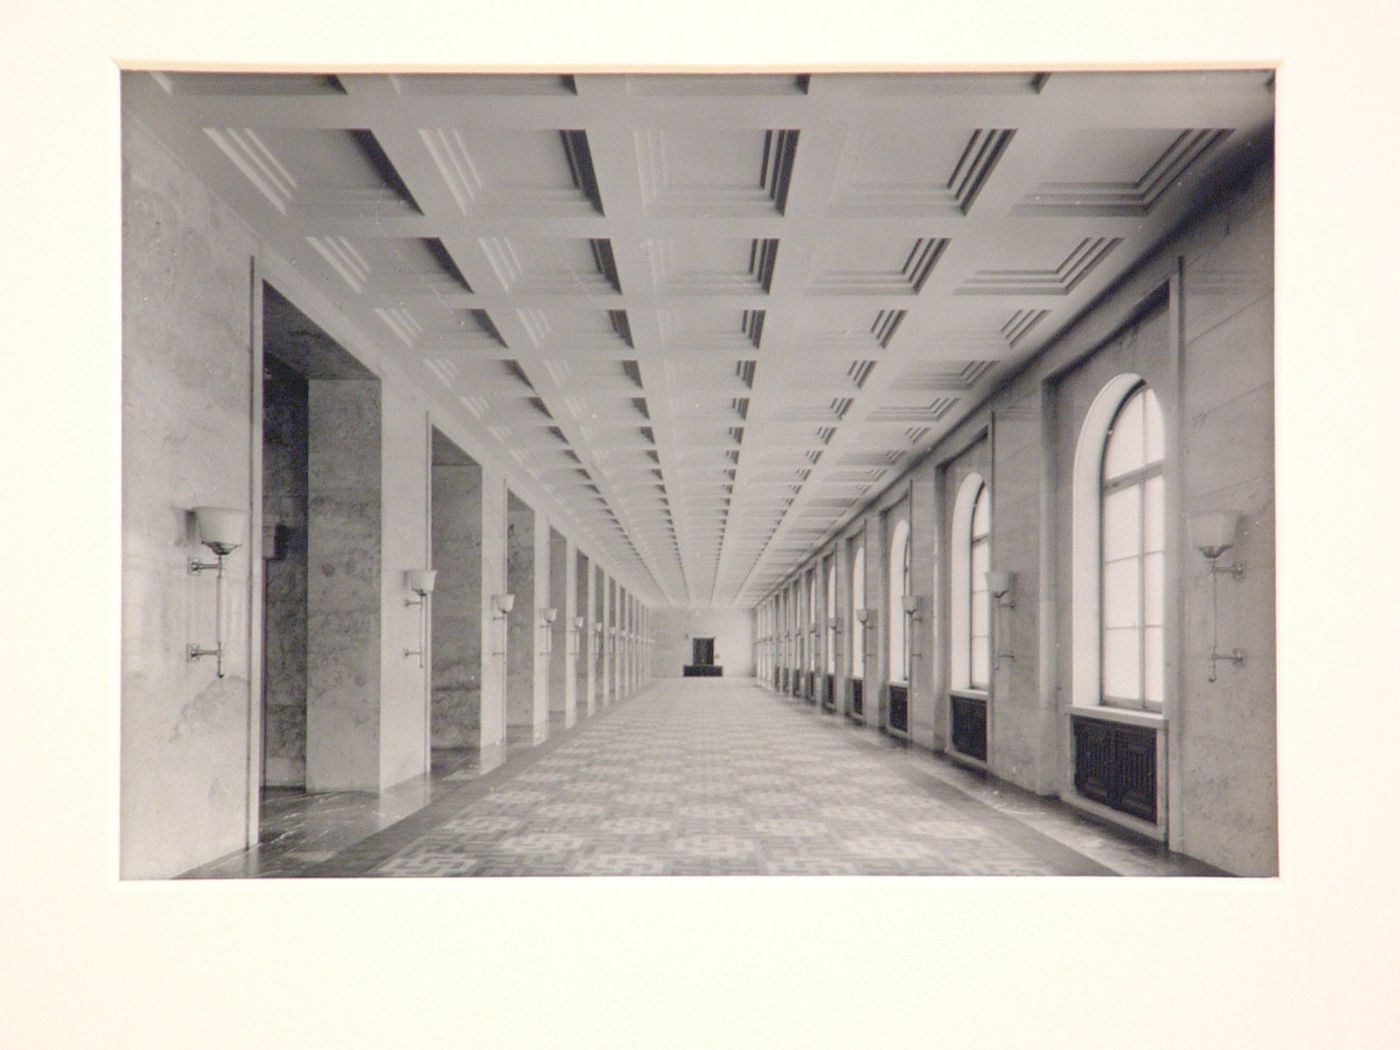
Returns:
(971, 694)
(1125, 715)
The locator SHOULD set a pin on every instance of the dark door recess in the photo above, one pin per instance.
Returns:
(702, 651)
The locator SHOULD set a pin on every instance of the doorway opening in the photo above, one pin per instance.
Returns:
(702, 659)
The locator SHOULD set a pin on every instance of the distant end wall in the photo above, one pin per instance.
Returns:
(732, 630)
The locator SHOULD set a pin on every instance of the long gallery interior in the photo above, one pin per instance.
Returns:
(661, 474)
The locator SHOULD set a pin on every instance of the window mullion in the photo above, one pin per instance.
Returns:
(1142, 593)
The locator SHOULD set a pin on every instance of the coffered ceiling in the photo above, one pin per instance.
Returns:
(712, 315)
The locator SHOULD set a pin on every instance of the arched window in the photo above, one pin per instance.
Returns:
(1119, 549)
(979, 651)
(970, 558)
(857, 602)
(1133, 543)
(831, 616)
(899, 587)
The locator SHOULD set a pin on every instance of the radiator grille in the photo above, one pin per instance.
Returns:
(899, 708)
(969, 726)
(1116, 765)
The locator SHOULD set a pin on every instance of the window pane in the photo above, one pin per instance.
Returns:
(1120, 663)
(980, 616)
(980, 554)
(1121, 596)
(1124, 452)
(981, 663)
(1152, 425)
(1154, 514)
(1153, 665)
(982, 514)
(1152, 584)
(1121, 523)
(896, 653)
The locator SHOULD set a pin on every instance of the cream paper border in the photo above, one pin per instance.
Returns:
(1304, 960)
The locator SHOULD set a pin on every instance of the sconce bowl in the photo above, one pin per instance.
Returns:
(911, 604)
(1000, 584)
(549, 615)
(1213, 531)
(503, 603)
(863, 615)
(420, 581)
(221, 528)
(578, 623)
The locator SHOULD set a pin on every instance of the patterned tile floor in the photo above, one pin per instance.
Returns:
(696, 777)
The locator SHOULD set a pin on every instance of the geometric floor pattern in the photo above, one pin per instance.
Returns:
(703, 778)
(713, 777)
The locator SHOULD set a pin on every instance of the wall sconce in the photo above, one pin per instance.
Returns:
(913, 607)
(221, 530)
(1213, 533)
(866, 617)
(547, 618)
(833, 623)
(1002, 586)
(420, 582)
(576, 635)
(501, 605)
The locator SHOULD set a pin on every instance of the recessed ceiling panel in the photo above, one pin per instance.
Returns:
(503, 171)
(1118, 171)
(701, 266)
(912, 170)
(879, 267)
(704, 171)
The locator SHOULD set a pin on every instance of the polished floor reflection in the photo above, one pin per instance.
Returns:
(694, 777)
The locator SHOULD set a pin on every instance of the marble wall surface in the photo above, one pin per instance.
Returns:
(587, 667)
(521, 626)
(539, 693)
(493, 628)
(344, 559)
(606, 643)
(404, 689)
(285, 435)
(595, 641)
(560, 680)
(1228, 774)
(186, 442)
(456, 603)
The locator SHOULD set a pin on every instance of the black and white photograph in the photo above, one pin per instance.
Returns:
(741, 527)
(894, 452)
